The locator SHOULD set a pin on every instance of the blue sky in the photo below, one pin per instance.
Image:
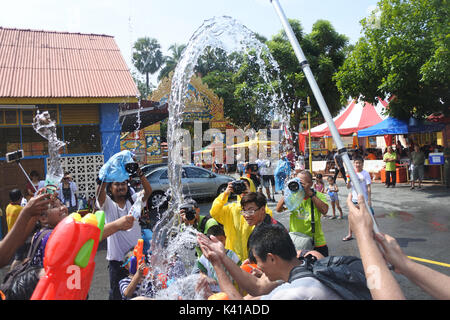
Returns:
(174, 21)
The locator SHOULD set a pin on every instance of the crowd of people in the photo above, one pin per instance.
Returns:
(242, 250)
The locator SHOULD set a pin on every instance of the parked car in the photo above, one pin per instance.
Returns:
(135, 182)
(197, 183)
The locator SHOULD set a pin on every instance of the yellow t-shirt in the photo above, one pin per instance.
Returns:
(12, 212)
(390, 166)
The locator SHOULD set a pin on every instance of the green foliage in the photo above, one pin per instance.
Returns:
(170, 62)
(404, 53)
(147, 57)
(325, 51)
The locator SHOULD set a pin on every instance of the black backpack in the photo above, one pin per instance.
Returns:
(342, 274)
(12, 275)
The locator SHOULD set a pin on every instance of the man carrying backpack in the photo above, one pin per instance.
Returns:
(331, 278)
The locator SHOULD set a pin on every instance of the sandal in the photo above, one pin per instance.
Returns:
(347, 238)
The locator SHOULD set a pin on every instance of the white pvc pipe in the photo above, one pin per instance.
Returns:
(321, 102)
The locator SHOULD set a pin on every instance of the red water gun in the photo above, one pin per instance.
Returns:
(69, 258)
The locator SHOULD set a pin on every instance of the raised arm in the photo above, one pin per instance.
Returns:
(145, 185)
(101, 198)
(23, 227)
(380, 281)
(431, 281)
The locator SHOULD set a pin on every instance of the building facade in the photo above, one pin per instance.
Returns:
(80, 79)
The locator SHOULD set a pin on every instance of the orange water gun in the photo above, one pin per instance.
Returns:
(69, 258)
(138, 254)
(248, 267)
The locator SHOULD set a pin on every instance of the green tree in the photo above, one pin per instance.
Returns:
(147, 57)
(325, 50)
(404, 53)
(170, 62)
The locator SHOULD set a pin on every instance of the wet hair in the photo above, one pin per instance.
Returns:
(358, 158)
(216, 230)
(319, 176)
(256, 197)
(15, 195)
(331, 178)
(24, 284)
(128, 196)
(271, 239)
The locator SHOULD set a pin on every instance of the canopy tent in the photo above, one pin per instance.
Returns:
(356, 116)
(395, 126)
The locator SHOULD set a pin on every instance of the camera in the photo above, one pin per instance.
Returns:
(189, 211)
(293, 185)
(13, 156)
(132, 168)
(238, 186)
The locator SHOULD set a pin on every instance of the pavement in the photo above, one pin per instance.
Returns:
(419, 219)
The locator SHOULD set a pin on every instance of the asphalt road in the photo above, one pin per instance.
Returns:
(418, 219)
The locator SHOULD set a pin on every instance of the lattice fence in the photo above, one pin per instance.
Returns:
(84, 170)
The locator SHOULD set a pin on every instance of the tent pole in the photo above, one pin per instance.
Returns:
(322, 105)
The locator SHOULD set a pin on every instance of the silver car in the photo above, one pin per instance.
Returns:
(197, 183)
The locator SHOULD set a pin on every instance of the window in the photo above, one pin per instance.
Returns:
(27, 116)
(164, 175)
(11, 117)
(197, 173)
(9, 140)
(82, 139)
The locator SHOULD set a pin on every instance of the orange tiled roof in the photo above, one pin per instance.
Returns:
(44, 64)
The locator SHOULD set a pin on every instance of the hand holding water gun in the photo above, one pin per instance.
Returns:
(69, 258)
(138, 258)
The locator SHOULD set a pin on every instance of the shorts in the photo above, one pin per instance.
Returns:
(266, 180)
(417, 173)
(333, 196)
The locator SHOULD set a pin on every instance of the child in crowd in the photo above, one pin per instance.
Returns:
(332, 191)
(48, 220)
(13, 210)
(205, 267)
(319, 185)
(133, 286)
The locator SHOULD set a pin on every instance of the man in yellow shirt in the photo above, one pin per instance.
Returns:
(390, 157)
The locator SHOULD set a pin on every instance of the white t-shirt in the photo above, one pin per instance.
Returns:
(120, 242)
(364, 180)
(302, 289)
(265, 167)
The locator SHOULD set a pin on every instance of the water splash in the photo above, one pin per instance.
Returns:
(46, 127)
(229, 35)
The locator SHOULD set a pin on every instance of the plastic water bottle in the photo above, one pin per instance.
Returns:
(136, 208)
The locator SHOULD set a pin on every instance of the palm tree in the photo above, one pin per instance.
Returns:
(171, 61)
(147, 57)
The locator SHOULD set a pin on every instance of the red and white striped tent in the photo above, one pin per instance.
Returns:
(354, 117)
